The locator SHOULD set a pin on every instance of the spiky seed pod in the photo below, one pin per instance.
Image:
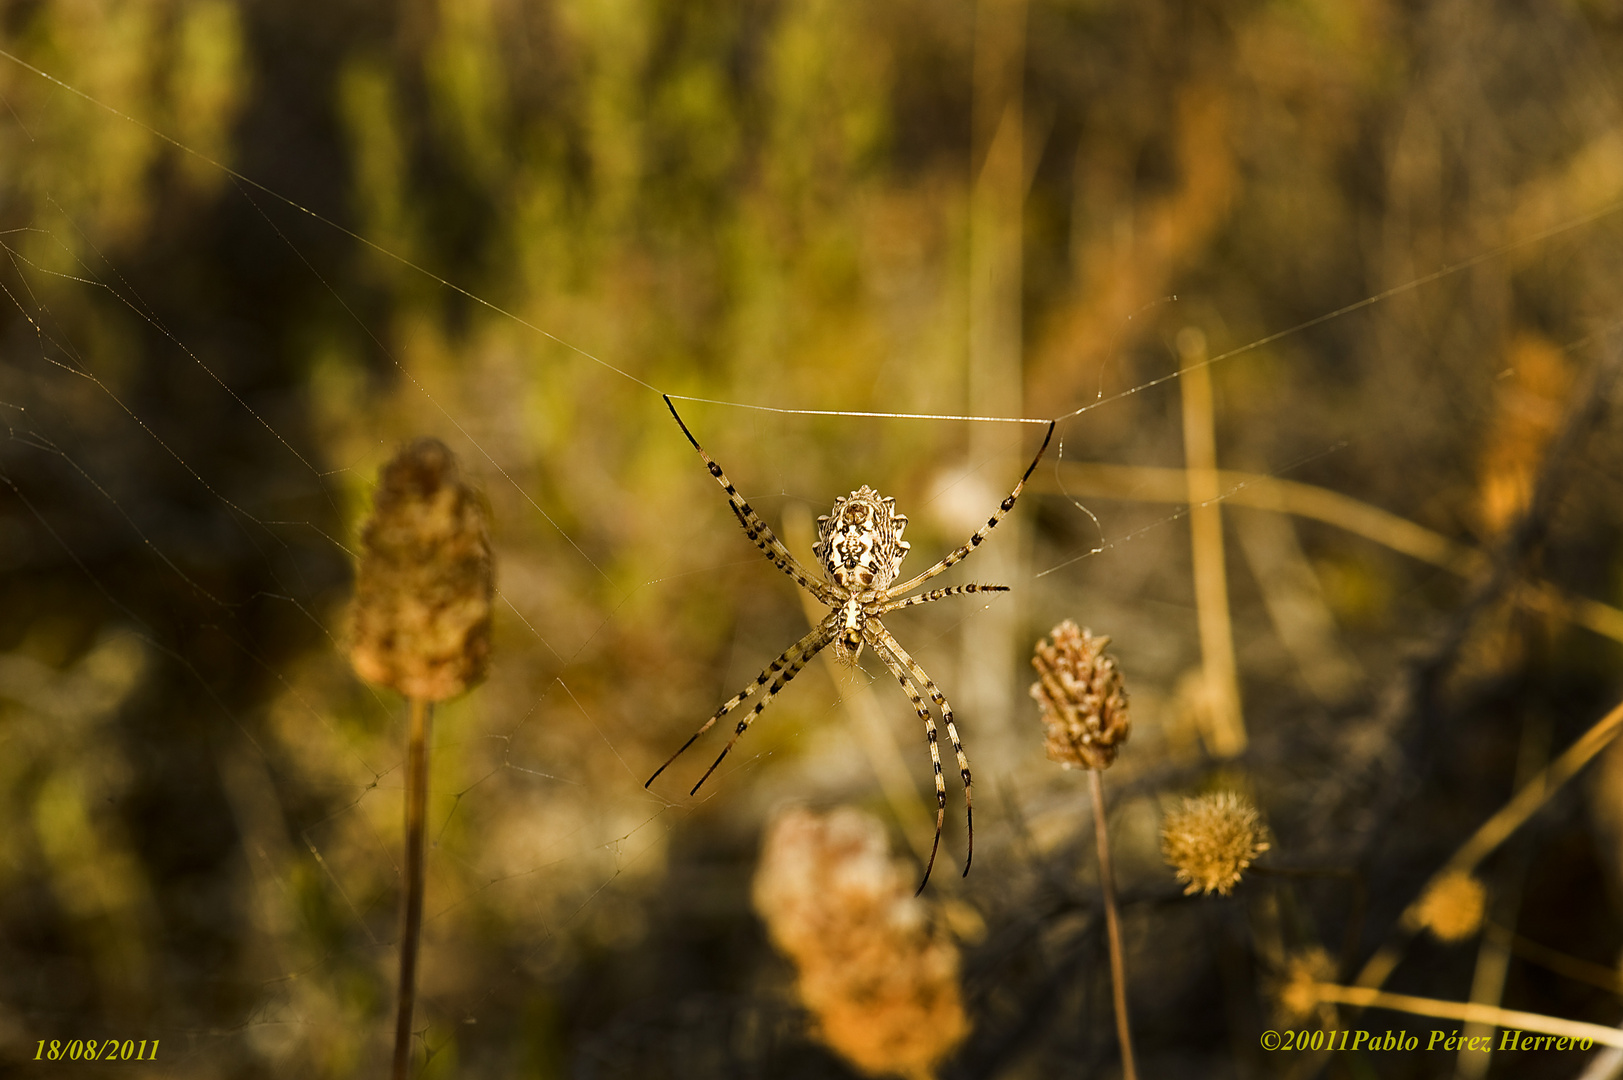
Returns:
(1084, 704)
(421, 618)
(1211, 839)
(879, 976)
(1452, 906)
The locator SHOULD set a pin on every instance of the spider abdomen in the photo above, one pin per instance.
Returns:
(859, 542)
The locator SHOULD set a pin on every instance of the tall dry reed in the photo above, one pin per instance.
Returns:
(1084, 713)
(420, 625)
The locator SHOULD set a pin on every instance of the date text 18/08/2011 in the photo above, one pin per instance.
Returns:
(96, 1050)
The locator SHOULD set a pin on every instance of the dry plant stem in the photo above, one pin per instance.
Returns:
(1420, 687)
(995, 293)
(1494, 950)
(1118, 963)
(1493, 832)
(1151, 484)
(1471, 1013)
(1258, 491)
(411, 922)
(1557, 961)
(1225, 724)
(1360, 902)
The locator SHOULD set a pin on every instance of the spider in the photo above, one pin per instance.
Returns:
(860, 551)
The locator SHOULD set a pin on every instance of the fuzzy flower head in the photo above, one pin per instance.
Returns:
(420, 623)
(1084, 704)
(1298, 994)
(1211, 839)
(879, 976)
(1452, 906)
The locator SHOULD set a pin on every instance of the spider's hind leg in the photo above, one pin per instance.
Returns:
(935, 760)
(779, 683)
(787, 665)
(911, 677)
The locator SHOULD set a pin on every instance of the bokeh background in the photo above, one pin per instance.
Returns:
(251, 247)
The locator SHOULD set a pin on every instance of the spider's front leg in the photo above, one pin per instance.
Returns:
(757, 530)
(980, 534)
(911, 676)
(938, 594)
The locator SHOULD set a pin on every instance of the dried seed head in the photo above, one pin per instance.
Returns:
(1527, 417)
(879, 976)
(1297, 996)
(1452, 906)
(1084, 704)
(1211, 839)
(421, 618)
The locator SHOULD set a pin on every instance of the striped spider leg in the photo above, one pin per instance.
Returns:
(756, 529)
(859, 550)
(911, 676)
(785, 667)
(980, 534)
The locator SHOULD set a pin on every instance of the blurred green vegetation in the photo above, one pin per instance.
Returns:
(512, 225)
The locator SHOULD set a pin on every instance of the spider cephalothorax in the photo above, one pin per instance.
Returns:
(860, 546)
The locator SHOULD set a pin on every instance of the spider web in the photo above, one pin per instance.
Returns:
(629, 607)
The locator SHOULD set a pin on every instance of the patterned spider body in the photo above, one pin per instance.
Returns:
(860, 546)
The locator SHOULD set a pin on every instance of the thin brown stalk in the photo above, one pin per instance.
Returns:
(1493, 832)
(411, 921)
(1555, 960)
(1360, 902)
(994, 368)
(1118, 963)
(1494, 950)
(1143, 483)
(1224, 722)
(1514, 1019)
